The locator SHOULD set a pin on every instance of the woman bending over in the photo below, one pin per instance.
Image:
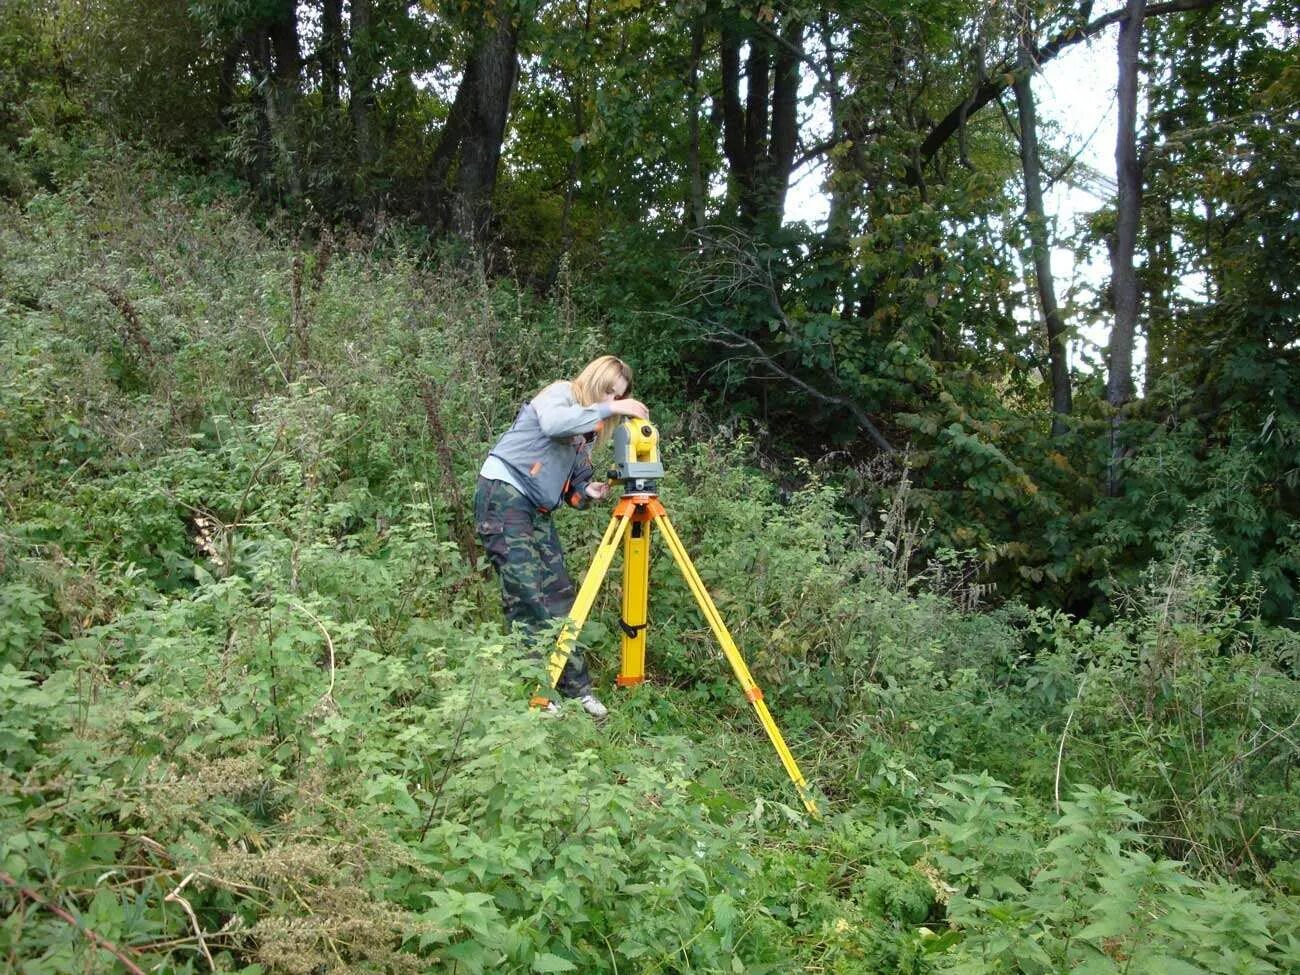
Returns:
(542, 460)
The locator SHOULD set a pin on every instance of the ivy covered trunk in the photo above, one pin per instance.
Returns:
(1040, 246)
(1124, 289)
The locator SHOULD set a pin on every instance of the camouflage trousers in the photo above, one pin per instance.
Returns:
(535, 587)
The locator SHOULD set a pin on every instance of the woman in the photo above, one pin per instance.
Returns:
(543, 459)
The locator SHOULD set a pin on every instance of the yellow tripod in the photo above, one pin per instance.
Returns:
(633, 516)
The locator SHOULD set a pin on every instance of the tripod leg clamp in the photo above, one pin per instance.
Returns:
(630, 630)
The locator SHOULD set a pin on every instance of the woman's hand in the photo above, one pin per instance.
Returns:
(598, 490)
(630, 407)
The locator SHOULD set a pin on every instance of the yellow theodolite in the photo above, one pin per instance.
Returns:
(636, 457)
(638, 467)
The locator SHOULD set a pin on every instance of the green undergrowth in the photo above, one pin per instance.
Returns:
(257, 712)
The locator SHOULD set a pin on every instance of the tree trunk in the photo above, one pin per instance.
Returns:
(695, 204)
(264, 154)
(361, 81)
(1119, 385)
(840, 215)
(226, 78)
(576, 90)
(571, 180)
(1039, 244)
(759, 138)
(735, 145)
(1159, 288)
(778, 163)
(330, 53)
(758, 71)
(285, 92)
(995, 82)
(491, 74)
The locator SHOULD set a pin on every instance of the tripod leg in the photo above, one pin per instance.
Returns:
(752, 692)
(586, 596)
(636, 599)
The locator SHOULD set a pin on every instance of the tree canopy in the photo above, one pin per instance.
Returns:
(649, 149)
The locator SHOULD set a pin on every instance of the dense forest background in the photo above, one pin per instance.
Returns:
(273, 276)
(641, 155)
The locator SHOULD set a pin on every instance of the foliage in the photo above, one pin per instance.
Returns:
(620, 198)
(255, 702)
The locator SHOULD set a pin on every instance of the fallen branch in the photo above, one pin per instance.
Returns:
(734, 268)
(734, 339)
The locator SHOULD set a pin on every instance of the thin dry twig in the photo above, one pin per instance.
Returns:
(274, 358)
(451, 755)
(328, 696)
(243, 498)
(859, 414)
(1236, 760)
(175, 898)
(1060, 751)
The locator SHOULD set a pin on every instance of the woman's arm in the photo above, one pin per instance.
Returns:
(576, 492)
(559, 416)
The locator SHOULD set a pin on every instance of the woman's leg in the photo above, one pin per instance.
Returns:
(500, 528)
(535, 588)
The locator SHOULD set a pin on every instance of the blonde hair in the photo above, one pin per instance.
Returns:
(598, 379)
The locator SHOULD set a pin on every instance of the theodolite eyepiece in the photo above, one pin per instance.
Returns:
(636, 456)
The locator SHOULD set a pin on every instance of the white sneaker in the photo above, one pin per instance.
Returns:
(549, 708)
(591, 704)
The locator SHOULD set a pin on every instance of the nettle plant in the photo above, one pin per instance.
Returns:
(320, 790)
(1089, 898)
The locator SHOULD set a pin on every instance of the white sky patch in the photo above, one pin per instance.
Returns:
(1076, 97)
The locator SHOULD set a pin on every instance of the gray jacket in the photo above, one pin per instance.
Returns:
(548, 447)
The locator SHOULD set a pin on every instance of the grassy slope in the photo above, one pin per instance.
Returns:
(245, 664)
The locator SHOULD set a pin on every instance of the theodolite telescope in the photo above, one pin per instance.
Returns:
(636, 457)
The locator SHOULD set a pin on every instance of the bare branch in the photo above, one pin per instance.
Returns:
(1000, 78)
(327, 699)
(176, 898)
